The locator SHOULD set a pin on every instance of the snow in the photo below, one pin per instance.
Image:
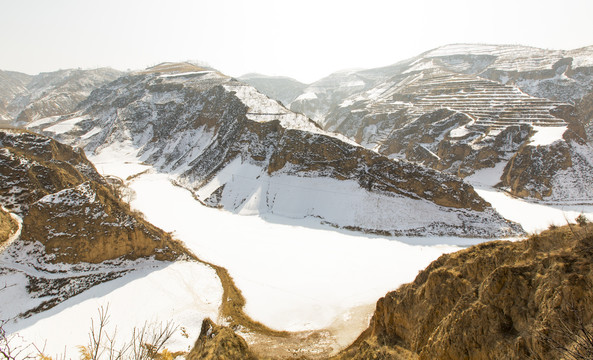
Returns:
(295, 275)
(92, 132)
(306, 96)
(43, 121)
(65, 126)
(546, 135)
(127, 163)
(185, 74)
(459, 132)
(346, 103)
(182, 292)
(534, 217)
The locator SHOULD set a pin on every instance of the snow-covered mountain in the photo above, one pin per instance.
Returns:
(461, 108)
(235, 148)
(25, 98)
(283, 89)
(64, 227)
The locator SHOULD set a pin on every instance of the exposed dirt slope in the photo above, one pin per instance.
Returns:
(497, 300)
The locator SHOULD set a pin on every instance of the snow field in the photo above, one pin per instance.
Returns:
(534, 217)
(181, 292)
(295, 274)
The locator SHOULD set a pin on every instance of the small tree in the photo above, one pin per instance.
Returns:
(582, 220)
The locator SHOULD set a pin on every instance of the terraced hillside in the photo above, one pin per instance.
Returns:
(462, 108)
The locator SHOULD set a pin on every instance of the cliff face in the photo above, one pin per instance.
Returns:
(237, 149)
(497, 300)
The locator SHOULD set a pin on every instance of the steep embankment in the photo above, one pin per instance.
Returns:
(497, 300)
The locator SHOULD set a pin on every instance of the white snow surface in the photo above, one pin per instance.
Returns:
(65, 126)
(182, 292)
(294, 277)
(294, 274)
(262, 109)
(546, 135)
(42, 121)
(534, 217)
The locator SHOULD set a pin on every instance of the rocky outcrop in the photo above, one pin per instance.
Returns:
(239, 150)
(69, 208)
(219, 342)
(497, 300)
(88, 223)
(8, 226)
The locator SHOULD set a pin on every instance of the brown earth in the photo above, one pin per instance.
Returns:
(497, 300)
(7, 226)
(84, 218)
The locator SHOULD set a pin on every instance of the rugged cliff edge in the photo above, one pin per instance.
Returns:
(497, 300)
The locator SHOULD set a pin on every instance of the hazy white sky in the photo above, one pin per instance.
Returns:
(305, 39)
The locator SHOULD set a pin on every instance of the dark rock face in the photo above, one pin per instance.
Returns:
(497, 300)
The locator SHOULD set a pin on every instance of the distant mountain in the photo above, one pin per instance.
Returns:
(462, 108)
(11, 84)
(25, 98)
(235, 148)
(283, 89)
(64, 227)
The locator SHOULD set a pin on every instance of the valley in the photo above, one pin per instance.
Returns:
(179, 194)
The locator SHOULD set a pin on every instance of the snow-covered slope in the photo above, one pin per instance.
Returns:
(235, 148)
(461, 108)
